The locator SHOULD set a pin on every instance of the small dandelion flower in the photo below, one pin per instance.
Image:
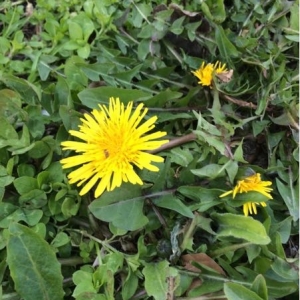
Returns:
(113, 142)
(219, 68)
(251, 183)
(205, 72)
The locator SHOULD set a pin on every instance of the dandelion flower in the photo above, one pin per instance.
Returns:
(219, 68)
(113, 142)
(205, 72)
(251, 183)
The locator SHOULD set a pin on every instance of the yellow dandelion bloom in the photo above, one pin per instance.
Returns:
(205, 72)
(251, 183)
(219, 68)
(113, 142)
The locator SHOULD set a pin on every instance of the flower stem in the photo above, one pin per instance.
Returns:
(224, 250)
(176, 142)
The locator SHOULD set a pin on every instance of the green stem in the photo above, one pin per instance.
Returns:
(71, 261)
(224, 250)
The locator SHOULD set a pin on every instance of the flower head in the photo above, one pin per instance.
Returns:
(113, 142)
(251, 183)
(205, 72)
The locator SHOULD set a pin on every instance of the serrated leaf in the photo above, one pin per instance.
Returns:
(33, 265)
(241, 227)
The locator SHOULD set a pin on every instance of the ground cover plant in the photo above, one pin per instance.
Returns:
(149, 149)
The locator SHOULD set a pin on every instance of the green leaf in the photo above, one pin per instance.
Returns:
(252, 252)
(290, 195)
(122, 206)
(207, 197)
(40, 149)
(75, 31)
(211, 171)
(241, 227)
(129, 286)
(7, 132)
(156, 279)
(207, 287)
(25, 184)
(283, 228)
(173, 203)
(226, 48)
(93, 97)
(259, 286)
(29, 92)
(60, 239)
(33, 199)
(285, 270)
(235, 291)
(33, 265)
(181, 156)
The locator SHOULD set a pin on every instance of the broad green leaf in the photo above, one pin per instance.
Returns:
(162, 98)
(29, 92)
(181, 156)
(285, 270)
(84, 284)
(283, 228)
(7, 132)
(290, 195)
(259, 286)
(205, 198)
(6, 210)
(93, 71)
(226, 48)
(75, 31)
(60, 239)
(207, 287)
(10, 105)
(173, 203)
(130, 285)
(156, 279)
(93, 97)
(252, 252)
(123, 207)
(241, 227)
(211, 171)
(242, 198)
(278, 289)
(40, 149)
(294, 19)
(25, 184)
(33, 199)
(235, 291)
(33, 265)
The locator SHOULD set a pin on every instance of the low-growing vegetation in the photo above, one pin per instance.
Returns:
(149, 149)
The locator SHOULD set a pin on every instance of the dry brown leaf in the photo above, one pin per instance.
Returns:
(225, 76)
(200, 258)
(184, 12)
